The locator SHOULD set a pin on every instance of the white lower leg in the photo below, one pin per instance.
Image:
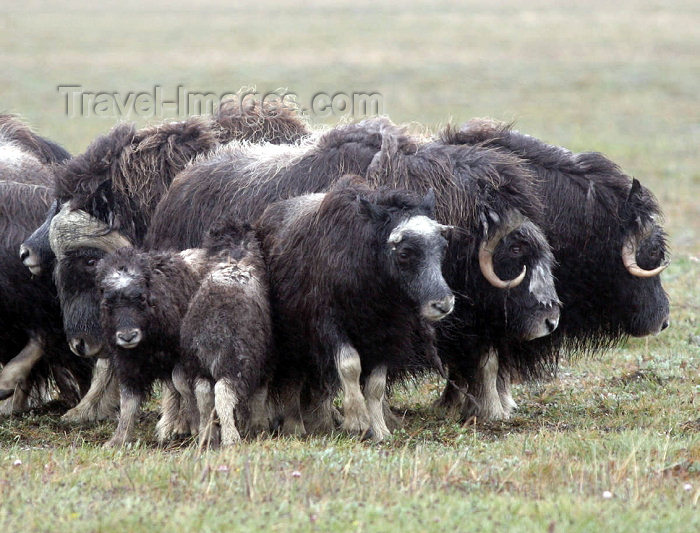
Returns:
(375, 389)
(17, 403)
(15, 373)
(226, 400)
(169, 410)
(102, 399)
(208, 430)
(486, 394)
(355, 415)
(188, 417)
(505, 393)
(129, 405)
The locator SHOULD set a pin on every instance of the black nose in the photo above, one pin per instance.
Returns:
(665, 324)
(23, 252)
(551, 324)
(128, 335)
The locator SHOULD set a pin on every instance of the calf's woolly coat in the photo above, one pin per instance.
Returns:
(174, 317)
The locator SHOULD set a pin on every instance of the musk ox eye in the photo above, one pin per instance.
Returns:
(404, 257)
(90, 262)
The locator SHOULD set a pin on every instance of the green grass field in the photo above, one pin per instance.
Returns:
(611, 444)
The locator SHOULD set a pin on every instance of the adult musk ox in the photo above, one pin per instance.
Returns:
(29, 311)
(498, 262)
(226, 335)
(355, 280)
(105, 198)
(604, 231)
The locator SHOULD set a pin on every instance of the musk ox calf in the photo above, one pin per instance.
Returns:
(355, 281)
(226, 335)
(145, 304)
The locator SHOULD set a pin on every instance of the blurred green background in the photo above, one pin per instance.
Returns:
(618, 77)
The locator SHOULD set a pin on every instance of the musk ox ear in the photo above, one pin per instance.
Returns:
(428, 202)
(635, 190)
(634, 204)
(373, 211)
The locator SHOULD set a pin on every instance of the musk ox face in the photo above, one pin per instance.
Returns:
(79, 241)
(124, 306)
(640, 302)
(414, 251)
(416, 248)
(74, 276)
(35, 252)
(521, 255)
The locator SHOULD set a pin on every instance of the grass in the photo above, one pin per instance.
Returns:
(620, 78)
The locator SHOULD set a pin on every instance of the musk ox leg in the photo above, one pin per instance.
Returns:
(355, 416)
(209, 435)
(487, 404)
(504, 392)
(321, 416)
(393, 422)
(15, 373)
(17, 403)
(289, 410)
(259, 412)
(188, 417)
(169, 411)
(375, 389)
(102, 399)
(452, 398)
(226, 400)
(129, 405)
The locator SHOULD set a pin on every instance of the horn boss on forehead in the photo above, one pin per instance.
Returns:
(486, 253)
(77, 229)
(629, 259)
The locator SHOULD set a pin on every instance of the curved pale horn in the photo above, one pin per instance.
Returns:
(486, 265)
(629, 259)
(77, 229)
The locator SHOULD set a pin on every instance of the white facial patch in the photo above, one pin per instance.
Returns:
(420, 225)
(542, 285)
(119, 279)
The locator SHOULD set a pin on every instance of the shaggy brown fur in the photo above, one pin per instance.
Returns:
(12, 129)
(226, 335)
(479, 190)
(29, 311)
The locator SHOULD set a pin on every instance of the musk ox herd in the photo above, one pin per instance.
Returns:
(258, 269)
